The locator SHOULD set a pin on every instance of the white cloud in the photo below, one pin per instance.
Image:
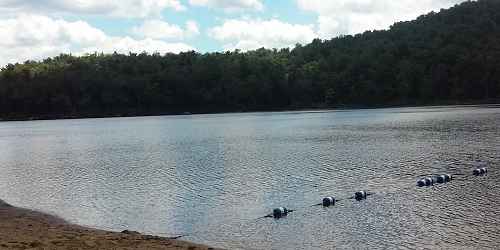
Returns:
(158, 29)
(336, 17)
(192, 28)
(43, 36)
(117, 8)
(229, 5)
(254, 34)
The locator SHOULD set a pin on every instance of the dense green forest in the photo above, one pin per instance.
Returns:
(448, 57)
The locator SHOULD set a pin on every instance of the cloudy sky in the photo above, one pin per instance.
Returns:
(35, 29)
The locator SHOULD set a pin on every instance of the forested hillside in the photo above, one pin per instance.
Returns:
(448, 57)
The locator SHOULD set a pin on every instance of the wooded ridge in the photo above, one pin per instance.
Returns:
(448, 57)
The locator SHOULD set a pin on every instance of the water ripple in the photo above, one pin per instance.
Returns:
(210, 177)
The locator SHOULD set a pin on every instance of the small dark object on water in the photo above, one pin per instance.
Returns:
(444, 178)
(361, 195)
(476, 172)
(421, 183)
(429, 181)
(440, 179)
(425, 182)
(328, 201)
(480, 171)
(448, 177)
(280, 212)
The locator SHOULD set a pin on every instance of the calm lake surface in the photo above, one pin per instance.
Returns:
(210, 177)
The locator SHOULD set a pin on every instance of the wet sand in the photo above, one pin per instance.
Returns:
(26, 229)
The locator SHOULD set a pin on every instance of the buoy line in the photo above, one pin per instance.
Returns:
(430, 180)
(330, 201)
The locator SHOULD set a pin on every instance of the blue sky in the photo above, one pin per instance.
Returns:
(36, 29)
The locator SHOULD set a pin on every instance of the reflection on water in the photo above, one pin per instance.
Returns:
(210, 177)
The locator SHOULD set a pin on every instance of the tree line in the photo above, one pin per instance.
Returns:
(452, 56)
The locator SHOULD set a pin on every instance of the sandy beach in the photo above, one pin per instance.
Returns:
(26, 229)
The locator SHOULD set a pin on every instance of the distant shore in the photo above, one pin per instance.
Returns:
(26, 229)
(493, 102)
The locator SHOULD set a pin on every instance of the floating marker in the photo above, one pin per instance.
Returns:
(441, 179)
(480, 171)
(429, 181)
(328, 201)
(280, 212)
(448, 177)
(444, 178)
(361, 195)
(421, 183)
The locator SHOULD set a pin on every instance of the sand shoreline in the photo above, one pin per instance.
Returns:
(26, 229)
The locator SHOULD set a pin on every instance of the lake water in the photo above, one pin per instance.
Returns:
(211, 177)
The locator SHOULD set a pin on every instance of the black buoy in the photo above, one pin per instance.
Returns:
(280, 212)
(441, 179)
(328, 201)
(421, 183)
(428, 181)
(476, 172)
(448, 177)
(480, 171)
(361, 195)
